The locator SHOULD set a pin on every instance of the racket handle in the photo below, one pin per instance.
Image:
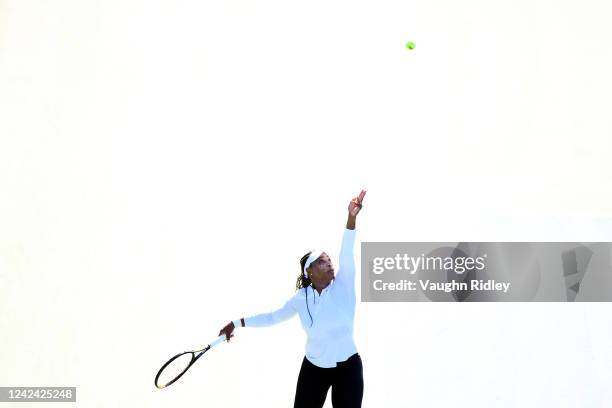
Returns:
(218, 340)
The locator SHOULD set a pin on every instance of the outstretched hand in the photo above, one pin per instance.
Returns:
(356, 204)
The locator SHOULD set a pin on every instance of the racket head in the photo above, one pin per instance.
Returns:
(176, 367)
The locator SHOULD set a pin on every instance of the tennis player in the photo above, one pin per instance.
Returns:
(326, 306)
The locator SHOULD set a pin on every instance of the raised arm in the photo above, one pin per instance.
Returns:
(346, 274)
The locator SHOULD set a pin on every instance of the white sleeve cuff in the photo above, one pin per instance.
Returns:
(237, 323)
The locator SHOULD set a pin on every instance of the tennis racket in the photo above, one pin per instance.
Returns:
(179, 364)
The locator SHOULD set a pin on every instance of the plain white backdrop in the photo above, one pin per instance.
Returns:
(165, 164)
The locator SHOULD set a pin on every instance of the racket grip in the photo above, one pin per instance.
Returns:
(218, 340)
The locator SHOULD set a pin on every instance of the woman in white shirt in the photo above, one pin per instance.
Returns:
(326, 306)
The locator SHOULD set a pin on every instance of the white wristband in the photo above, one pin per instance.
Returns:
(237, 323)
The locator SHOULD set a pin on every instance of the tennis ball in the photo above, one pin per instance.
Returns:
(410, 45)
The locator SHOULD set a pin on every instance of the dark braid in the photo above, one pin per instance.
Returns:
(304, 282)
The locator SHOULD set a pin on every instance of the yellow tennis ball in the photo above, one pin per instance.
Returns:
(410, 45)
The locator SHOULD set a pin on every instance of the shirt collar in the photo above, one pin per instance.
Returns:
(324, 291)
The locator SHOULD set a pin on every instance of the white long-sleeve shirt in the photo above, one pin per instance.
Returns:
(330, 339)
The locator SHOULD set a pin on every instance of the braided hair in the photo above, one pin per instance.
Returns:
(304, 282)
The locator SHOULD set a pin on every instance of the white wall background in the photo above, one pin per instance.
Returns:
(164, 165)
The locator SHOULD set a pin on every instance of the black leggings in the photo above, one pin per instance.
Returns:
(346, 380)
